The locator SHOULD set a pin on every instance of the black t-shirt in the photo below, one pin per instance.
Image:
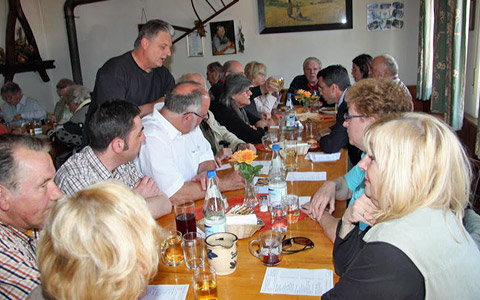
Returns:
(121, 78)
(375, 270)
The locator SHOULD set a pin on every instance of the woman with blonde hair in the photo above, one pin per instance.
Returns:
(417, 186)
(100, 243)
(256, 72)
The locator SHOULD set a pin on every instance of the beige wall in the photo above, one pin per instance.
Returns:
(107, 29)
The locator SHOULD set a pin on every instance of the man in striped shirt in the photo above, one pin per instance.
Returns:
(27, 193)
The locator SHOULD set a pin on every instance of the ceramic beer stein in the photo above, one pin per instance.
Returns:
(222, 252)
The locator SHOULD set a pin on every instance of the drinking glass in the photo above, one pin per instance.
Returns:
(291, 155)
(205, 283)
(269, 247)
(172, 254)
(193, 250)
(279, 81)
(185, 217)
(292, 207)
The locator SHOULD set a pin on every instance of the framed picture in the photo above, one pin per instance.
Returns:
(304, 15)
(223, 38)
(194, 45)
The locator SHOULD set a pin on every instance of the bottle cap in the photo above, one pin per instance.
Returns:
(276, 147)
(289, 94)
(211, 174)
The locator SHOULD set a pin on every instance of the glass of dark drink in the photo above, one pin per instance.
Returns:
(268, 247)
(185, 217)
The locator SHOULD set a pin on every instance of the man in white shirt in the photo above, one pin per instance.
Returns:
(19, 109)
(176, 154)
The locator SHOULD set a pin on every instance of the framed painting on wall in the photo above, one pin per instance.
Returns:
(194, 44)
(223, 38)
(304, 15)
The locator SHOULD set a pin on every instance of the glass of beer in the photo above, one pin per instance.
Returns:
(185, 217)
(172, 253)
(205, 283)
(279, 81)
(291, 157)
(292, 207)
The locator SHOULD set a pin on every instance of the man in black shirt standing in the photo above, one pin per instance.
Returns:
(138, 76)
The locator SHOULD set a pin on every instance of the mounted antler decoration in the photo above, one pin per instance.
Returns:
(199, 23)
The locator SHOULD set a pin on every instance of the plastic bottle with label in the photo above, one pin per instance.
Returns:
(213, 207)
(289, 113)
(277, 185)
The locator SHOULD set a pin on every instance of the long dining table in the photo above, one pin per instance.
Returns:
(246, 281)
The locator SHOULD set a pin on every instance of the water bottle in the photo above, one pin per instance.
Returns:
(277, 185)
(213, 207)
(290, 113)
(289, 103)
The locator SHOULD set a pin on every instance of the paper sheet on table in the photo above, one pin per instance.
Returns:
(297, 281)
(303, 200)
(166, 291)
(264, 163)
(306, 176)
(224, 167)
(322, 157)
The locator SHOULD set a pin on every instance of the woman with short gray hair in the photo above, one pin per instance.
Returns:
(230, 110)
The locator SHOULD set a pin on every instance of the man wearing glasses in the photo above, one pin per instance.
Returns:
(176, 154)
(116, 134)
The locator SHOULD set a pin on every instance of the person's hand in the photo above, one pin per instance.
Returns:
(270, 86)
(362, 210)
(323, 197)
(146, 187)
(261, 124)
(265, 116)
(232, 181)
(247, 147)
(51, 118)
(17, 117)
(202, 179)
(224, 153)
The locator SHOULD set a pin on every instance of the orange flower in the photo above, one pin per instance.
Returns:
(307, 94)
(300, 92)
(246, 156)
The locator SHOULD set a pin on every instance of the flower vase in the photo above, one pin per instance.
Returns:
(250, 199)
(305, 107)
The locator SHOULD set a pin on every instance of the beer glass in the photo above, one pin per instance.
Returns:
(205, 283)
(171, 250)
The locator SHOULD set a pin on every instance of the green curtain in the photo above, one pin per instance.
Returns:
(425, 50)
(450, 51)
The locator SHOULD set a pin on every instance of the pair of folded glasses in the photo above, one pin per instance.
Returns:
(296, 244)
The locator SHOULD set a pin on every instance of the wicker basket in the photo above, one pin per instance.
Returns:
(241, 231)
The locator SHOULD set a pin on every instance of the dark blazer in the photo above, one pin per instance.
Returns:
(228, 118)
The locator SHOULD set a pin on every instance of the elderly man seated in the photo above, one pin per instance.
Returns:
(308, 81)
(77, 97)
(19, 109)
(176, 154)
(116, 133)
(386, 66)
(27, 193)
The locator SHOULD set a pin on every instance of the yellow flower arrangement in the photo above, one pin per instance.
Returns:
(304, 96)
(243, 159)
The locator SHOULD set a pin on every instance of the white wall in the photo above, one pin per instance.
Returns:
(107, 29)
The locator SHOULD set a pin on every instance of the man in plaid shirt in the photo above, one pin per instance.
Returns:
(27, 193)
